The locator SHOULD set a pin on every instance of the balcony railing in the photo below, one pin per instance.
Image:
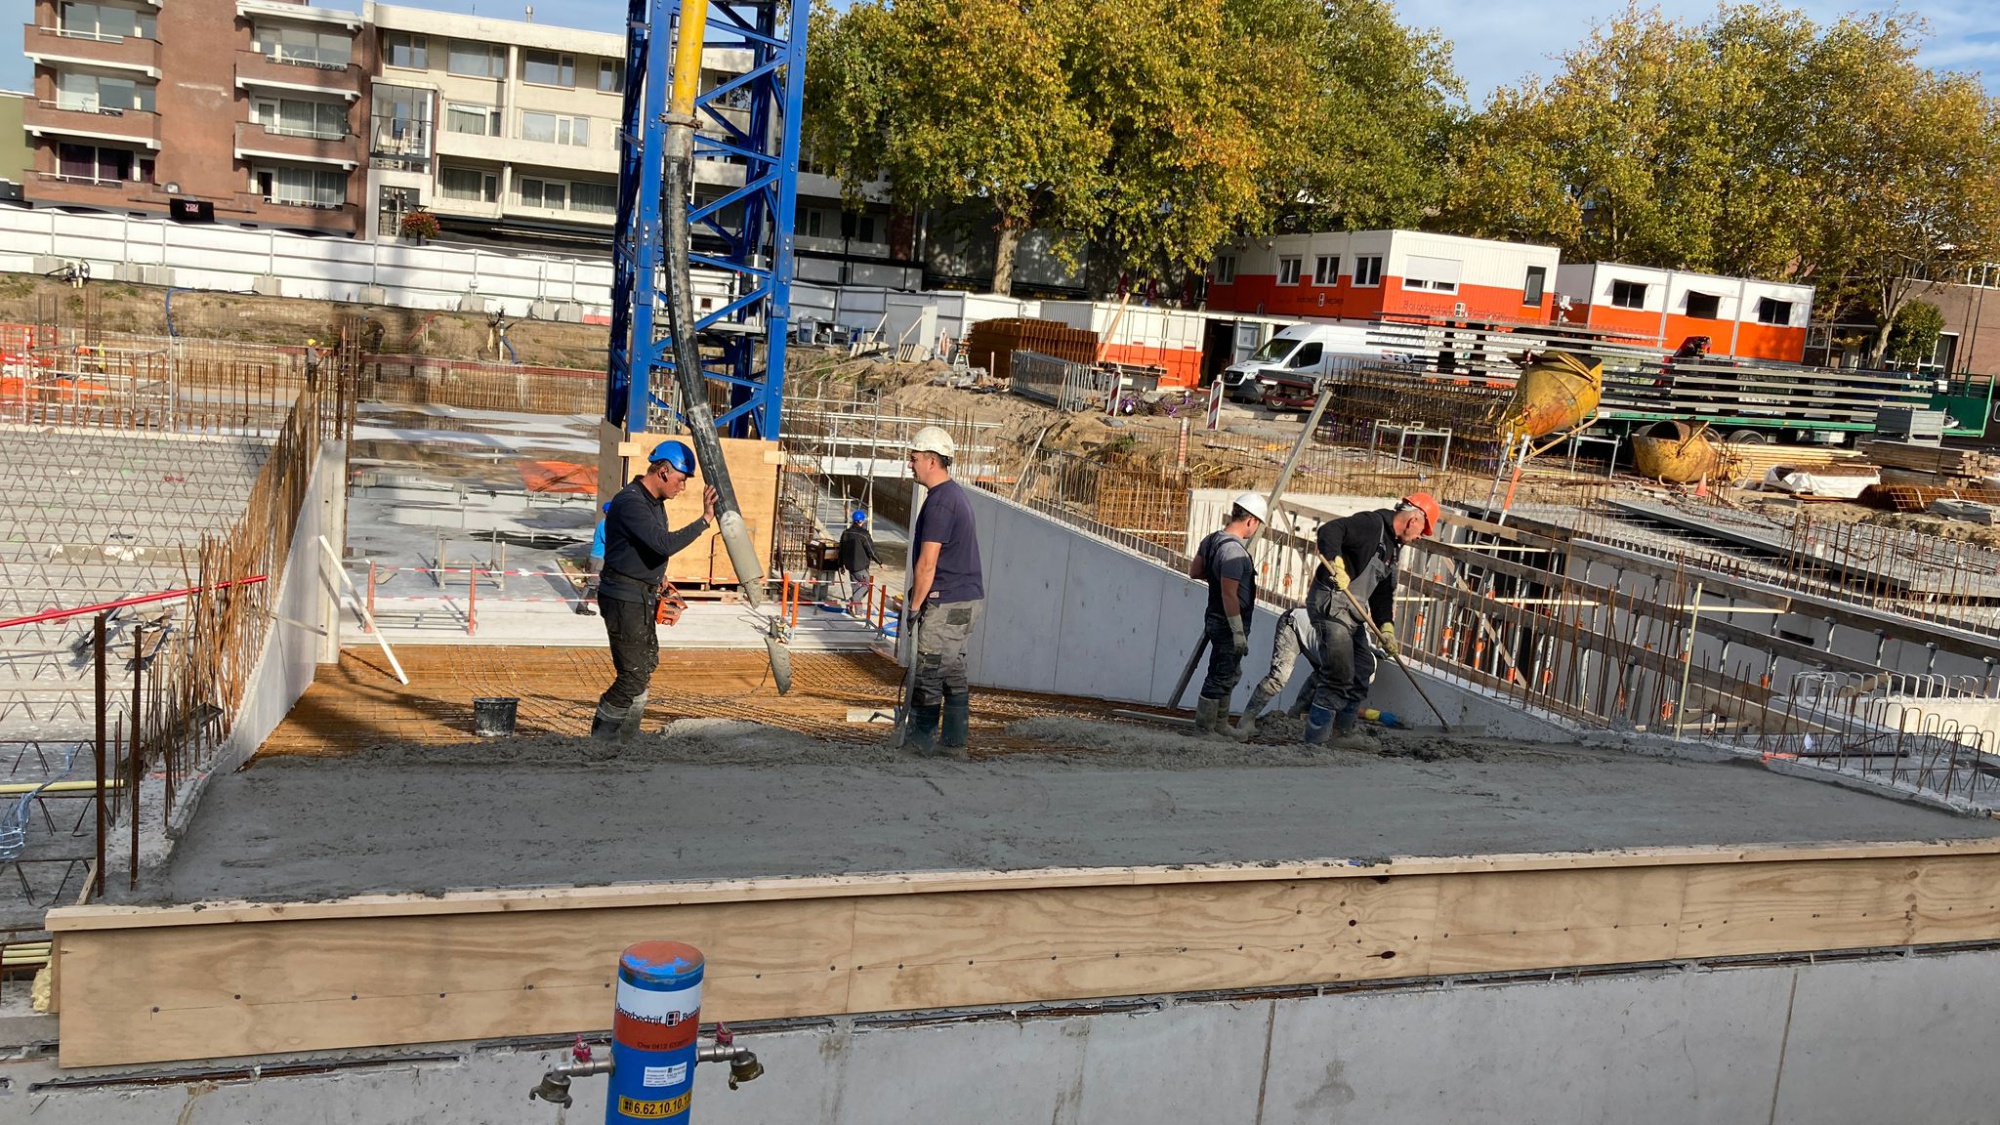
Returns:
(86, 116)
(258, 66)
(321, 60)
(400, 138)
(91, 48)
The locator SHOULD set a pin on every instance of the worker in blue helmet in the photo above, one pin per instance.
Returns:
(856, 554)
(596, 564)
(637, 545)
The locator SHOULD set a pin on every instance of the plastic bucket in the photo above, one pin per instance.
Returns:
(493, 716)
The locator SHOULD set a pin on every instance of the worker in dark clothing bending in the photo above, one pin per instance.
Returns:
(1223, 561)
(1358, 556)
(637, 546)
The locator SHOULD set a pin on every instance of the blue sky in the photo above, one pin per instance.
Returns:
(1497, 42)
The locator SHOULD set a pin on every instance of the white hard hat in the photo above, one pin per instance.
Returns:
(933, 439)
(1253, 503)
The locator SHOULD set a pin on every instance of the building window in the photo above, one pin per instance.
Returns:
(475, 60)
(1225, 270)
(301, 187)
(1538, 280)
(812, 224)
(91, 93)
(610, 76)
(594, 199)
(478, 120)
(1439, 275)
(858, 228)
(303, 46)
(106, 23)
(1628, 294)
(1288, 270)
(290, 117)
(1774, 312)
(93, 165)
(1704, 306)
(551, 194)
(410, 52)
(1368, 270)
(468, 185)
(550, 128)
(555, 195)
(547, 68)
(1326, 269)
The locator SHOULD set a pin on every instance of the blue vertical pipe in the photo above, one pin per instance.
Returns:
(653, 1034)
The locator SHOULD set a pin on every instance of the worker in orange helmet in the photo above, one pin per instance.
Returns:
(1352, 598)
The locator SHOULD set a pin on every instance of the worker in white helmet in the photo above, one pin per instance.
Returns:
(1223, 561)
(946, 590)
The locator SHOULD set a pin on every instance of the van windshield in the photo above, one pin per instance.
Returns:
(1274, 349)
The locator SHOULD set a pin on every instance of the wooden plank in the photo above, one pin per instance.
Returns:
(173, 990)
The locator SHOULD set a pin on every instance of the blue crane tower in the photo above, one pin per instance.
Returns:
(748, 125)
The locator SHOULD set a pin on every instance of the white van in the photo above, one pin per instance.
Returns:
(1302, 351)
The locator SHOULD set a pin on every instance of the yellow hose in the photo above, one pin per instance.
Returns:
(687, 57)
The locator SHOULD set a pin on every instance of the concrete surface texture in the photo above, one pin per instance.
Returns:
(1854, 1042)
(726, 800)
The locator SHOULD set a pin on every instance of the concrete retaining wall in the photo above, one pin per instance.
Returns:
(1069, 612)
(1855, 1042)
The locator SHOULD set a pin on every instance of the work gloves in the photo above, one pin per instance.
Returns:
(1236, 633)
(1340, 576)
(1389, 644)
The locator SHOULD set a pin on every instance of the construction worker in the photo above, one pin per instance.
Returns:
(1357, 573)
(596, 564)
(1223, 561)
(1294, 635)
(946, 589)
(637, 546)
(856, 552)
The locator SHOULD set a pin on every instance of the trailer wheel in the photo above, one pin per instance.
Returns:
(1749, 437)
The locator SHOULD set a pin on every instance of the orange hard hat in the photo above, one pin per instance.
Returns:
(1427, 504)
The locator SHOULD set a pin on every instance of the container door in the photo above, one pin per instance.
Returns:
(1249, 335)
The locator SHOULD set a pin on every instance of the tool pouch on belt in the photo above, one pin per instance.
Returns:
(668, 604)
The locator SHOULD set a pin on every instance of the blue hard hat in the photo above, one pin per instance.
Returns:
(607, 507)
(860, 516)
(678, 457)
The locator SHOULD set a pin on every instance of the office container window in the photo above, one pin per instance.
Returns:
(1704, 306)
(610, 76)
(410, 52)
(1774, 312)
(468, 185)
(476, 60)
(1326, 269)
(1368, 269)
(1225, 270)
(552, 129)
(303, 46)
(1538, 280)
(1288, 270)
(1439, 275)
(294, 117)
(107, 22)
(478, 120)
(91, 93)
(1628, 294)
(547, 68)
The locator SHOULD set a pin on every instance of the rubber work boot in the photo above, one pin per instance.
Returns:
(921, 732)
(1319, 726)
(1246, 727)
(628, 728)
(603, 728)
(1347, 733)
(957, 721)
(1300, 706)
(1207, 714)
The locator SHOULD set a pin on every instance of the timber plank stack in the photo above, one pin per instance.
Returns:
(993, 343)
(1944, 461)
(1751, 460)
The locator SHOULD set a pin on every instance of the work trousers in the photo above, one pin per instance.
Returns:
(1346, 663)
(1225, 665)
(634, 630)
(943, 637)
(1285, 650)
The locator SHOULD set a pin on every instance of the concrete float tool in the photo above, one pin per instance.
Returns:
(1398, 658)
(690, 385)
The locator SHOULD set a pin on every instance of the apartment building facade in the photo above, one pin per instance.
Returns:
(252, 118)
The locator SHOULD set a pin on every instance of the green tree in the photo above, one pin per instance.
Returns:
(1913, 336)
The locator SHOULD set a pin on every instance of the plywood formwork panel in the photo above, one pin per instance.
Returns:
(158, 984)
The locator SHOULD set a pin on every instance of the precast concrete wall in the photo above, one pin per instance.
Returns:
(1846, 1042)
(1071, 613)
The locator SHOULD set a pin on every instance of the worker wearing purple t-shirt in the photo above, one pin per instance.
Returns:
(946, 589)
